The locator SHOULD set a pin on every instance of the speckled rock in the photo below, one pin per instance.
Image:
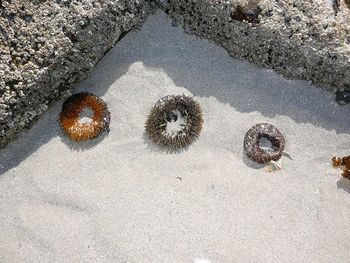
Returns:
(300, 39)
(45, 46)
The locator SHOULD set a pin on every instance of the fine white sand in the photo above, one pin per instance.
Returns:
(121, 199)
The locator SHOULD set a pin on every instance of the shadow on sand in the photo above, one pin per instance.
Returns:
(344, 184)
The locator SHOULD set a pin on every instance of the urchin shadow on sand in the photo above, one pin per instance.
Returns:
(344, 184)
(82, 146)
(205, 70)
(251, 163)
(157, 149)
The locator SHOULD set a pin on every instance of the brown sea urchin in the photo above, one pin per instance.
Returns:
(73, 107)
(343, 163)
(174, 122)
(252, 143)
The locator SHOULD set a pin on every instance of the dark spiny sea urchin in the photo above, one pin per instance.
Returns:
(175, 122)
(252, 143)
(71, 111)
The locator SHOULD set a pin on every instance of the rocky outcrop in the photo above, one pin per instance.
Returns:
(45, 46)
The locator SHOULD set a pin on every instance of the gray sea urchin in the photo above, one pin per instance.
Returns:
(174, 122)
(252, 143)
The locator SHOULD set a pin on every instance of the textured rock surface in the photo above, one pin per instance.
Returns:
(299, 39)
(45, 46)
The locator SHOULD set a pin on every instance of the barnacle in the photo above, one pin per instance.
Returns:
(71, 111)
(174, 122)
(343, 163)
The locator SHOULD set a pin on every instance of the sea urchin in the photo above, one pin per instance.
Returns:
(254, 150)
(73, 107)
(174, 122)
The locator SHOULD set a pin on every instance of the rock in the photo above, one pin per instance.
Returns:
(46, 46)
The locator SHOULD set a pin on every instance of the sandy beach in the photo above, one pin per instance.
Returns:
(122, 199)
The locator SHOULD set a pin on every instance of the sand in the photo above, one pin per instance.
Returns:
(122, 199)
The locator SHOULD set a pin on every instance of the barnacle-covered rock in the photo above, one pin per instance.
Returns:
(45, 46)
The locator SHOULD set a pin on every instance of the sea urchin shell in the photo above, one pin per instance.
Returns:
(174, 122)
(71, 110)
(252, 143)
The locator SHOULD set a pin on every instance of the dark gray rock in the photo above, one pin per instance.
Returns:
(46, 46)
